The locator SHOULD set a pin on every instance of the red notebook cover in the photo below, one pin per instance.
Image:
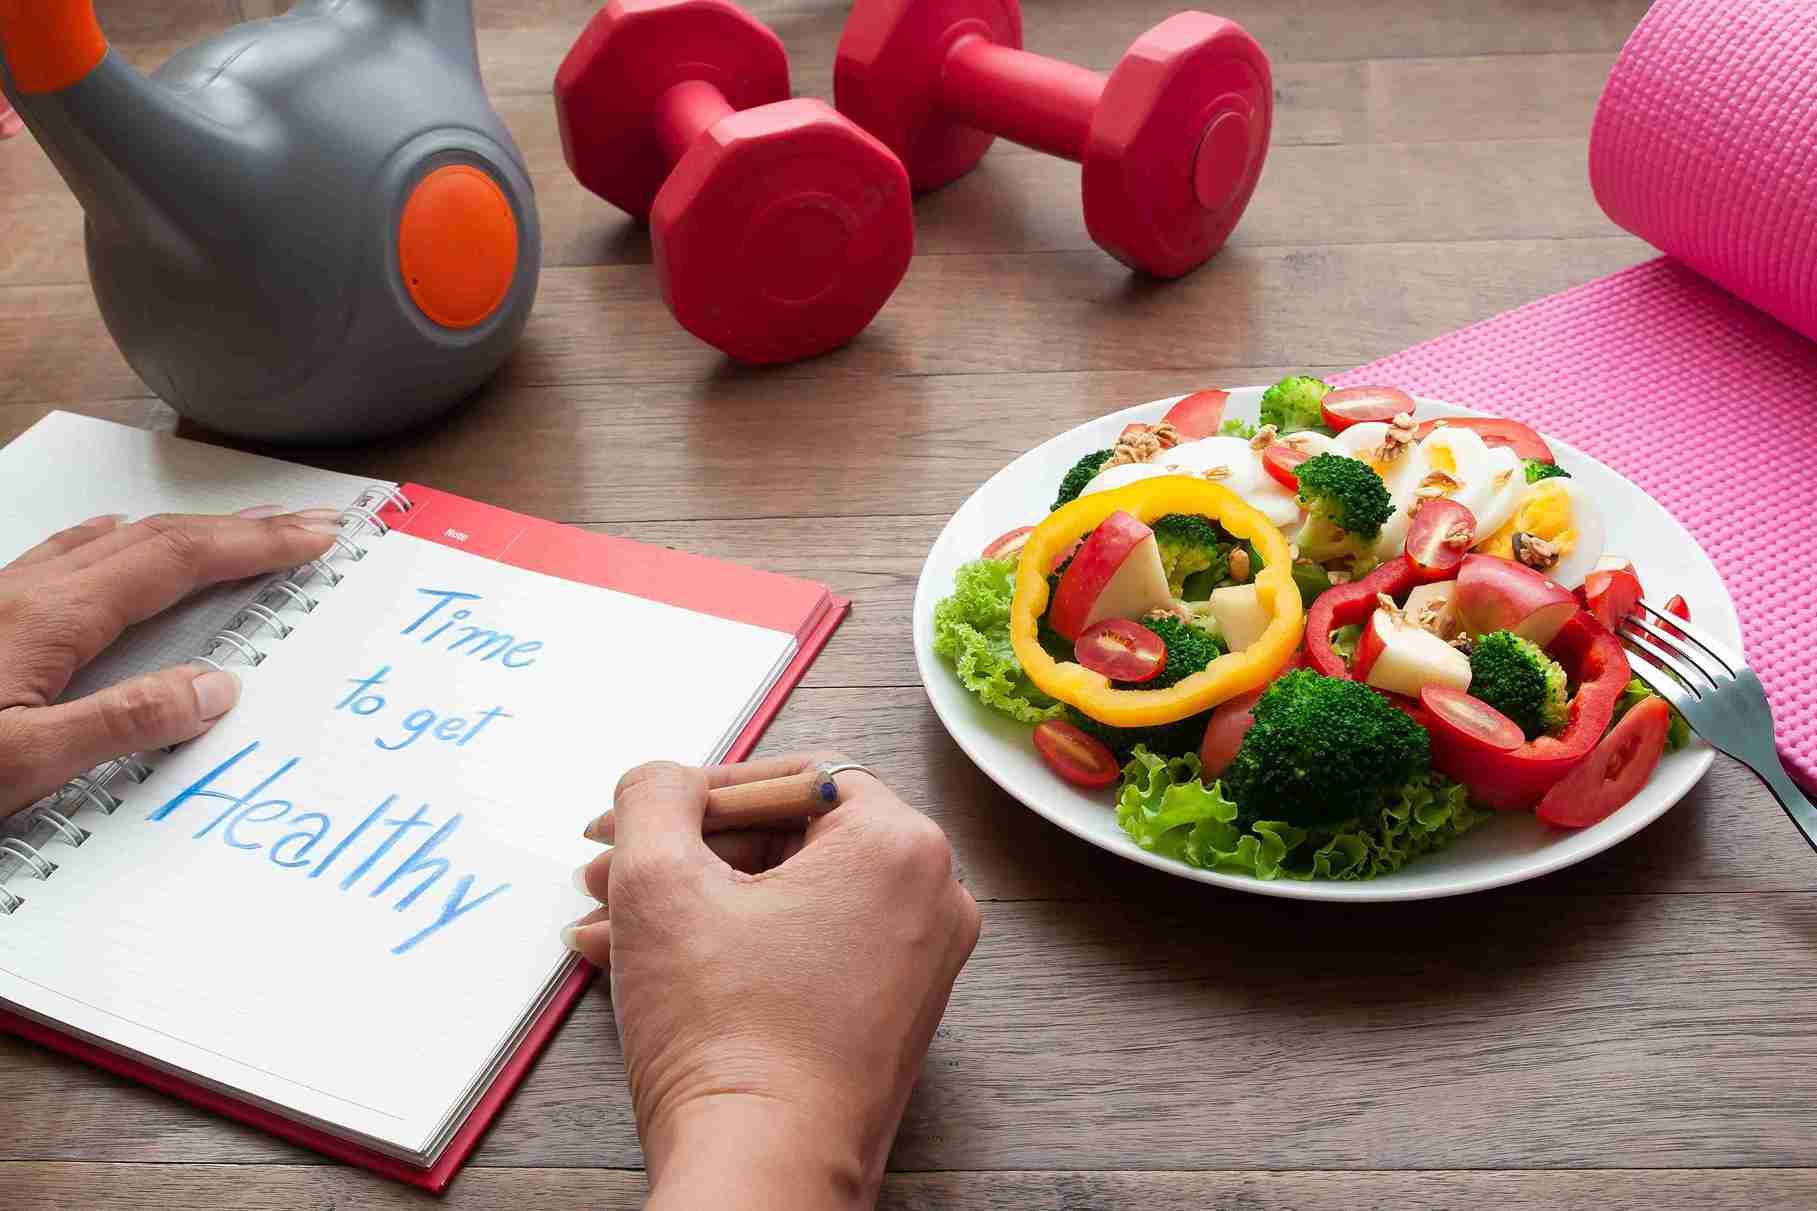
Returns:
(802, 608)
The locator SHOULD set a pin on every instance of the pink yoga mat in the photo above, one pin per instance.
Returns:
(1695, 375)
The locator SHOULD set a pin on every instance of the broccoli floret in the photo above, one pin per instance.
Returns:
(1164, 740)
(1237, 428)
(1189, 649)
(1323, 750)
(1537, 471)
(1293, 404)
(1348, 504)
(1189, 543)
(1678, 732)
(1517, 678)
(1082, 473)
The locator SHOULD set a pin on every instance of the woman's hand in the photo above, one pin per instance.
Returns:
(66, 599)
(775, 992)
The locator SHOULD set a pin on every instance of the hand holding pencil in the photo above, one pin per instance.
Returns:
(775, 983)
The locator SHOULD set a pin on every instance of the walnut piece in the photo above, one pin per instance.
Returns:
(1438, 483)
(1215, 473)
(1139, 443)
(1265, 437)
(1535, 552)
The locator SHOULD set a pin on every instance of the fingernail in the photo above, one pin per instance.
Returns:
(216, 692)
(333, 515)
(570, 936)
(579, 878)
(600, 830)
(319, 526)
(261, 512)
(114, 520)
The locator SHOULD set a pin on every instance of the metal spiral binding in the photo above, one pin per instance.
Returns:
(52, 821)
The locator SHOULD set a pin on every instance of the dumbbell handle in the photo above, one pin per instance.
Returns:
(1038, 102)
(685, 112)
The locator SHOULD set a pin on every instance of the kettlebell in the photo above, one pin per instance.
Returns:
(312, 228)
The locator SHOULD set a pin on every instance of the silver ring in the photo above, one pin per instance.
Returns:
(387, 492)
(353, 550)
(295, 594)
(9, 903)
(103, 800)
(829, 789)
(329, 574)
(367, 517)
(235, 640)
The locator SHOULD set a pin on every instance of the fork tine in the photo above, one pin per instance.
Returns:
(1730, 658)
(1683, 650)
(1666, 665)
(1663, 684)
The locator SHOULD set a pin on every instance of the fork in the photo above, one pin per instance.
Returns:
(1710, 684)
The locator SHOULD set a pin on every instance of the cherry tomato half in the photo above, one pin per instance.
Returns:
(1121, 650)
(1224, 734)
(1496, 431)
(1611, 596)
(1080, 759)
(1200, 414)
(1440, 535)
(1282, 460)
(1456, 718)
(1349, 406)
(1009, 545)
(1677, 607)
(1614, 771)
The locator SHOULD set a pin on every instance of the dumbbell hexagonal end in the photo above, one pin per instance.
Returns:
(782, 233)
(886, 78)
(630, 54)
(1177, 143)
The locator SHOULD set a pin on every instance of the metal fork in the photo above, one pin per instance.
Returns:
(1710, 684)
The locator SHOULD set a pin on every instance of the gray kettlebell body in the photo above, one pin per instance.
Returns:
(247, 227)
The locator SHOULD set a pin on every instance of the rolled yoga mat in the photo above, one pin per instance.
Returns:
(1695, 374)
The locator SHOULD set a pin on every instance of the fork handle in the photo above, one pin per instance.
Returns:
(1796, 803)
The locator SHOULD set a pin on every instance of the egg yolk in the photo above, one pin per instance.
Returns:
(1544, 512)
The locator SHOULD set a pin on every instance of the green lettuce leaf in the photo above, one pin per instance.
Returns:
(1166, 809)
(1678, 732)
(971, 631)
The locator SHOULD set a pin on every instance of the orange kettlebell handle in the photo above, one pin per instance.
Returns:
(50, 44)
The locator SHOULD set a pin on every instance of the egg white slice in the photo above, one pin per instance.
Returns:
(1592, 535)
(1121, 475)
(1507, 485)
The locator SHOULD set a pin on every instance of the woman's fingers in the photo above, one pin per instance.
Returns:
(43, 747)
(65, 541)
(170, 558)
(112, 544)
(591, 937)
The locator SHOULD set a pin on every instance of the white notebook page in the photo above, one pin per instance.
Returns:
(344, 901)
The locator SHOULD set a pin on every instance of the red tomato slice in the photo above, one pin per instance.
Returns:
(1080, 759)
(1121, 650)
(1614, 771)
(1496, 431)
(1611, 596)
(1224, 734)
(1468, 721)
(1440, 535)
(1200, 414)
(1349, 406)
(1005, 546)
(1281, 460)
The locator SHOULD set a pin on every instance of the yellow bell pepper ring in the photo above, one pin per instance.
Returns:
(1231, 674)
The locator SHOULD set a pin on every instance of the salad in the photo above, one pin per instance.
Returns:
(1320, 645)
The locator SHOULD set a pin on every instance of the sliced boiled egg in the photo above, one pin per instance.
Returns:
(1122, 475)
(1368, 442)
(1238, 467)
(1562, 512)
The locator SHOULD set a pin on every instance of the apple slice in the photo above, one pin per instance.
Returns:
(1440, 600)
(1404, 659)
(1117, 573)
(1495, 594)
(1239, 614)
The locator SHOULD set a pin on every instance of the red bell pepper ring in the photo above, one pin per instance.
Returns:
(1352, 605)
(1520, 778)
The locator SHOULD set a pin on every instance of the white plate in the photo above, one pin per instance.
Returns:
(1507, 849)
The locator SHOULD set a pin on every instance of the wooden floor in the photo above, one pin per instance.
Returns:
(1637, 1032)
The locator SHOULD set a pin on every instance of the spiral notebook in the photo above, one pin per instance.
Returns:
(336, 915)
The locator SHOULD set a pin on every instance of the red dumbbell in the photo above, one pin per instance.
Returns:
(1172, 141)
(779, 227)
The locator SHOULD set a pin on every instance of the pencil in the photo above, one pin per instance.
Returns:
(771, 803)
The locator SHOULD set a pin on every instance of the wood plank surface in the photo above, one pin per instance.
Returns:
(1634, 1032)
